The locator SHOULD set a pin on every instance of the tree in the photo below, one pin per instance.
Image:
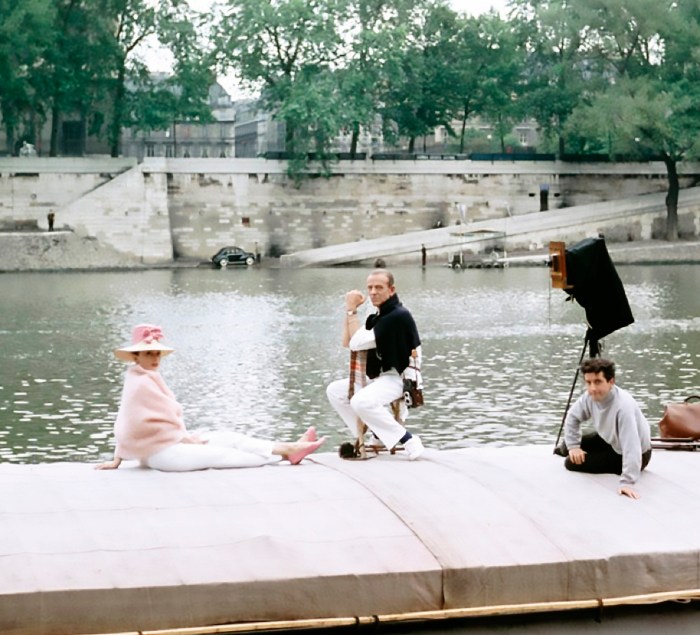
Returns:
(157, 102)
(420, 93)
(313, 116)
(74, 65)
(557, 71)
(285, 47)
(649, 103)
(130, 23)
(490, 70)
(26, 34)
(375, 33)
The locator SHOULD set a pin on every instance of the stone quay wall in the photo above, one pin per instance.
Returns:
(188, 208)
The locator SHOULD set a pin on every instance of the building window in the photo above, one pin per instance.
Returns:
(150, 150)
(245, 221)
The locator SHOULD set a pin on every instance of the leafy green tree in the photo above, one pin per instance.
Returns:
(649, 105)
(558, 72)
(136, 98)
(74, 66)
(314, 112)
(420, 93)
(67, 58)
(286, 48)
(130, 23)
(26, 33)
(156, 102)
(375, 36)
(375, 32)
(488, 73)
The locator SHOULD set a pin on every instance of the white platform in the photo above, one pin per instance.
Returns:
(85, 551)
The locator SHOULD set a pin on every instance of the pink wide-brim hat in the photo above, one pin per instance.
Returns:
(144, 337)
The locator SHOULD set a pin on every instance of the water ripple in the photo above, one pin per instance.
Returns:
(256, 348)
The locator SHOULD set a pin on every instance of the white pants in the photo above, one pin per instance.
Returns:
(223, 450)
(370, 404)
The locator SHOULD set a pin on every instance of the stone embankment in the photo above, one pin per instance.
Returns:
(655, 252)
(59, 250)
(640, 252)
(66, 251)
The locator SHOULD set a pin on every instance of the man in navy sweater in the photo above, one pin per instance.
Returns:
(390, 338)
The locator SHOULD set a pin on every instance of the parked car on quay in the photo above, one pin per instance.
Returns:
(233, 256)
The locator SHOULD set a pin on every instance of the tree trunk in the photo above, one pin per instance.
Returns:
(354, 139)
(672, 198)
(289, 136)
(411, 144)
(465, 117)
(501, 133)
(115, 129)
(10, 141)
(55, 121)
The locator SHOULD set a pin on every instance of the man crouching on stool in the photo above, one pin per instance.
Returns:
(388, 337)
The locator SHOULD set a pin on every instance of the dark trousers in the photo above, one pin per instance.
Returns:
(600, 457)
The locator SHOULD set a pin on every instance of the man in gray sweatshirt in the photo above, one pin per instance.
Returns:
(621, 443)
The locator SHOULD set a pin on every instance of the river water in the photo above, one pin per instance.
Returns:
(256, 347)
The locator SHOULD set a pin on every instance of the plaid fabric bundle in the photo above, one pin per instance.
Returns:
(358, 371)
(358, 377)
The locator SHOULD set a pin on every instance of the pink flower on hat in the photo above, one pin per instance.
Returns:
(144, 337)
(146, 333)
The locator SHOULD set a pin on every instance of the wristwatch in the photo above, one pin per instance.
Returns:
(352, 312)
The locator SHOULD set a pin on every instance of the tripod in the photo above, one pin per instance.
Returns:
(594, 351)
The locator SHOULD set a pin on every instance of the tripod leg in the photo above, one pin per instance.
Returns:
(557, 449)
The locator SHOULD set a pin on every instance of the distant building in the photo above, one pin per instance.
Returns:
(188, 139)
(243, 129)
(256, 132)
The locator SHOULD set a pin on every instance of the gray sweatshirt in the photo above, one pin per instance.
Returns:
(619, 421)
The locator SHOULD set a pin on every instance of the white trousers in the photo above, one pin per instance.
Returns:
(223, 450)
(370, 404)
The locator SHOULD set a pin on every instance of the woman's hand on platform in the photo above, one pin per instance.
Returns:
(194, 439)
(627, 491)
(112, 465)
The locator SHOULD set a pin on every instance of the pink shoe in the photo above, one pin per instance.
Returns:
(309, 435)
(296, 457)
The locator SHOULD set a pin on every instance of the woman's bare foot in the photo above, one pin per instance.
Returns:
(309, 435)
(296, 455)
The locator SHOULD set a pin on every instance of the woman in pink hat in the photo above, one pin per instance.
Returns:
(150, 427)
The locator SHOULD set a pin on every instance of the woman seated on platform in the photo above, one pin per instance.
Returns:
(151, 429)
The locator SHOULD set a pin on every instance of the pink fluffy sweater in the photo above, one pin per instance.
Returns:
(149, 417)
